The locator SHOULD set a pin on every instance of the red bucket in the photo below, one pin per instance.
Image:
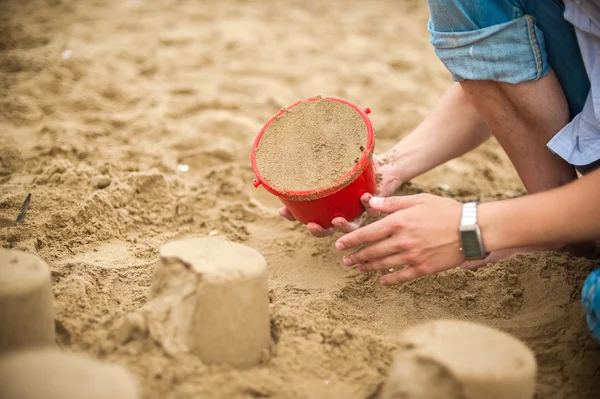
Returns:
(342, 198)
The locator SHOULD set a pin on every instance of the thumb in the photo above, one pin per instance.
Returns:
(393, 204)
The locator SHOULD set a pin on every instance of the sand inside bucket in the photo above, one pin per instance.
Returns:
(312, 145)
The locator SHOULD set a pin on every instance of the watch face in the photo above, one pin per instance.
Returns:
(470, 244)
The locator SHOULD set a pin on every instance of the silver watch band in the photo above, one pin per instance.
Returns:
(470, 233)
(469, 214)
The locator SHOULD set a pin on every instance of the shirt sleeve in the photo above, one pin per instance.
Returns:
(579, 141)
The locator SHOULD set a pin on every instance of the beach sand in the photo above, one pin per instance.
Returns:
(131, 124)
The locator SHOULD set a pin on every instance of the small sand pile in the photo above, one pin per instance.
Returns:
(215, 296)
(450, 359)
(25, 302)
(311, 145)
(53, 374)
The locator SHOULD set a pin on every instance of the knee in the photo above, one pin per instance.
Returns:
(469, 15)
(487, 40)
(451, 15)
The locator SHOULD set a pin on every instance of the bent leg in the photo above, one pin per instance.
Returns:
(497, 52)
(523, 118)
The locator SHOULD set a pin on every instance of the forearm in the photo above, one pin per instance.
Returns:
(564, 215)
(452, 129)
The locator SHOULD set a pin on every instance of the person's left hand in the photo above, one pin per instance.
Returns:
(420, 236)
(391, 178)
(339, 223)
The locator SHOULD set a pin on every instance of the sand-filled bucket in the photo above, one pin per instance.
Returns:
(340, 197)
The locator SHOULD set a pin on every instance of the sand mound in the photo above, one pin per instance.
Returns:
(131, 123)
(52, 374)
(452, 359)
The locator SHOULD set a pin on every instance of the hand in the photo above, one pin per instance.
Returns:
(420, 236)
(390, 181)
(339, 223)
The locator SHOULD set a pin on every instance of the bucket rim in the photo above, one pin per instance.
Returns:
(339, 184)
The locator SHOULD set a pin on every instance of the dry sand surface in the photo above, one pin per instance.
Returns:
(100, 101)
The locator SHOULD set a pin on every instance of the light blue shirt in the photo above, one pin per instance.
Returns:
(579, 141)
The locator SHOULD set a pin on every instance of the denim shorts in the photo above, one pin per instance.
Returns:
(509, 41)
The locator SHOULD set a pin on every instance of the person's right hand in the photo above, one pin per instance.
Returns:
(390, 180)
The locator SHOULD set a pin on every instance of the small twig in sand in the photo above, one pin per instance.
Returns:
(24, 209)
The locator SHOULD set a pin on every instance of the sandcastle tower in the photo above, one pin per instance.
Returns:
(26, 317)
(460, 360)
(52, 374)
(31, 365)
(216, 292)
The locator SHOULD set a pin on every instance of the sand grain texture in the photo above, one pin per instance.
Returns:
(311, 145)
(132, 94)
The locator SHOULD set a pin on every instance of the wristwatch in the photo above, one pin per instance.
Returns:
(470, 234)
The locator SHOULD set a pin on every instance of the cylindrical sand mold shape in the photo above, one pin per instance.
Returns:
(230, 320)
(51, 374)
(460, 360)
(26, 317)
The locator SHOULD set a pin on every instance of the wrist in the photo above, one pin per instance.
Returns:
(471, 238)
(492, 220)
(398, 164)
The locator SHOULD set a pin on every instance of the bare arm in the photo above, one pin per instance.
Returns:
(451, 129)
(422, 230)
(567, 214)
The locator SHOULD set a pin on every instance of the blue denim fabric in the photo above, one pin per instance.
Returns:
(509, 41)
(590, 297)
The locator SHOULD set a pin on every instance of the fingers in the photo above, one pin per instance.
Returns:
(284, 212)
(385, 263)
(345, 226)
(379, 250)
(318, 231)
(377, 161)
(372, 213)
(475, 264)
(365, 235)
(402, 276)
(406, 274)
(393, 204)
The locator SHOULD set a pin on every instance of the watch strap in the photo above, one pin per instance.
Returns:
(469, 214)
(470, 233)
